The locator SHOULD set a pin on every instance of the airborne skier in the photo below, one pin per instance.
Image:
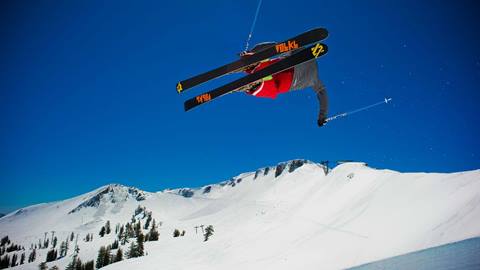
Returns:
(298, 77)
(272, 68)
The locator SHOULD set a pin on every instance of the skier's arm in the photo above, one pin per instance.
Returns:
(321, 92)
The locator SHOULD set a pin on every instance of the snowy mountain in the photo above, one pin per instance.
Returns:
(289, 216)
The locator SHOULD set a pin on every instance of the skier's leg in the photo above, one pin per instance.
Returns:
(306, 75)
(322, 97)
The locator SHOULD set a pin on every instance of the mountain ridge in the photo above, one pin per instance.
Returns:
(347, 213)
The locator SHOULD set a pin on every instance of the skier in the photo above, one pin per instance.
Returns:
(296, 78)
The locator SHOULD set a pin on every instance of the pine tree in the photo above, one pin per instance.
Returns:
(153, 234)
(102, 231)
(120, 232)
(101, 257)
(115, 244)
(176, 233)
(4, 241)
(119, 255)
(107, 259)
(51, 255)
(127, 231)
(43, 266)
(89, 265)
(63, 249)
(76, 250)
(32, 256)
(54, 242)
(136, 249)
(14, 260)
(123, 238)
(208, 232)
(22, 258)
(140, 248)
(132, 251)
(149, 219)
(67, 246)
(5, 262)
(138, 228)
(147, 237)
(78, 265)
(107, 227)
(130, 230)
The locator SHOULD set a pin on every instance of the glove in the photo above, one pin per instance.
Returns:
(245, 53)
(321, 121)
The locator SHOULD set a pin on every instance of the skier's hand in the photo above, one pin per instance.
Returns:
(321, 121)
(245, 53)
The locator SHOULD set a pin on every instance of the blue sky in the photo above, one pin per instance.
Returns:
(87, 92)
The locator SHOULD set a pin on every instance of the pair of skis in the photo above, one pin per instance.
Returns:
(296, 45)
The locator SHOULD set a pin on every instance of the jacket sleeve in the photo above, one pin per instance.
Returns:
(321, 92)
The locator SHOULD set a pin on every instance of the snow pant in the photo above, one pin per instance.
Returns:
(306, 75)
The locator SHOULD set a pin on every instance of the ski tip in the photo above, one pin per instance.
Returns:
(319, 49)
(179, 87)
(321, 30)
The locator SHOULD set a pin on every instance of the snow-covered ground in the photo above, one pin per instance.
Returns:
(299, 219)
(459, 255)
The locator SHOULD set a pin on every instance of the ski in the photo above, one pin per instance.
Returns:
(302, 55)
(306, 38)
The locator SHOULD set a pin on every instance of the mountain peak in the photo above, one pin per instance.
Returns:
(279, 169)
(290, 166)
(111, 193)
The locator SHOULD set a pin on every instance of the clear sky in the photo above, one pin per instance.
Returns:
(87, 92)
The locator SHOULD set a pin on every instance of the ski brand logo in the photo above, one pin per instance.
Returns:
(203, 98)
(179, 87)
(286, 46)
(317, 50)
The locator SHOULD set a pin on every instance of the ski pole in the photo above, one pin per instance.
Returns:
(253, 25)
(345, 114)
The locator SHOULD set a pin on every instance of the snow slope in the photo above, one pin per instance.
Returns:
(291, 216)
(459, 255)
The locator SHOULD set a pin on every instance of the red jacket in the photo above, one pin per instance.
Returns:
(277, 84)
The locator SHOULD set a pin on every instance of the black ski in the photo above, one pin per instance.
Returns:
(280, 48)
(298, 57)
